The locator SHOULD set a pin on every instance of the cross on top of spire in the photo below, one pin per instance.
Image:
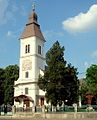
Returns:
(33, 5)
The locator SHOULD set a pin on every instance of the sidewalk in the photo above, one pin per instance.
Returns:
(53, 116)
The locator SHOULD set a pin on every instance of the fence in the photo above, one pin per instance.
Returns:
(48, 109)
(8, 109)
(29, 109)
(5, 109)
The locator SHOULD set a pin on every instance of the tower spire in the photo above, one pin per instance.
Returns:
(32, 27)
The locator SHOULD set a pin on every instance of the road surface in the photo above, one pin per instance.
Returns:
(10, 118)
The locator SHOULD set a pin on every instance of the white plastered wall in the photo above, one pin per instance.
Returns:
(37, 63)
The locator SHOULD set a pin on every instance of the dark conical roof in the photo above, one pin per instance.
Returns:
(32, 28)
(33, 17)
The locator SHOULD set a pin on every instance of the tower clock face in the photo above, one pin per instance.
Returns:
(27, 65)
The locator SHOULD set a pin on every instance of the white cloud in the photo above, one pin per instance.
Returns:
(82, 22)
(23, 11)
(12, 33)
(86, 64)
(9, 33)
(3, 10)
(50, 33)
(6, 12)
(94, 54)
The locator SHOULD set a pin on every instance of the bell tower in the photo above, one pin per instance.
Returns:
(32, 60)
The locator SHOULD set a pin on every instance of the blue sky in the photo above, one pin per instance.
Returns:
(72, 22)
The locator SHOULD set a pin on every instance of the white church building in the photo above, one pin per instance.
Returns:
(32, 63)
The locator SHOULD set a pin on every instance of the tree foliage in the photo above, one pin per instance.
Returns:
(1, 86)
(90, 86)
(59, 81)
(91, 74)
(91, 77)
(7, 78)
(11, 74)
(71, 84)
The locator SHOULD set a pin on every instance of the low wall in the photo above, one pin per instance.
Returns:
(64, 115)
(70, 115)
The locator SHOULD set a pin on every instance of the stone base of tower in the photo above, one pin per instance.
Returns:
(28, 95)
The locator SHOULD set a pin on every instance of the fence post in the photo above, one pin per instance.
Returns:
(5, 109)
(43, 108)
(0, 110)
(13, 109)
(33, 109)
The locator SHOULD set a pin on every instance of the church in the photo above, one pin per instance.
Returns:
(32, 63)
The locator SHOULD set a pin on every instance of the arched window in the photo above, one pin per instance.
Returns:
(27, 48)
(26, 74)
(39, 49)
(26, 90)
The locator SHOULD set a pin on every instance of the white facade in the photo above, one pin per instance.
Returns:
(32, 61)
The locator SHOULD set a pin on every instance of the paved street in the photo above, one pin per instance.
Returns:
(40, 119)
(37, 118)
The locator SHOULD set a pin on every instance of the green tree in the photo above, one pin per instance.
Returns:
(58, 80)
(90, 86)
(11, 75)
(91, 74)
(91, 77)
(71, 84)
(1, 86)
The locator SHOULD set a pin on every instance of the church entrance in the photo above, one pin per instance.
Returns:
(42, 101)
(24, 101)
(27, 103)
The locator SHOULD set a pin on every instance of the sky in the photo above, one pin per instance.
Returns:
(72, 22)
